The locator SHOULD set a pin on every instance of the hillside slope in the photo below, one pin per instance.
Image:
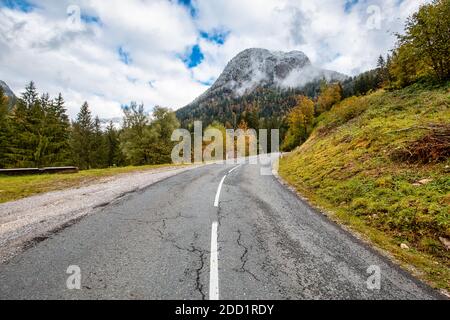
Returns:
(380, 164)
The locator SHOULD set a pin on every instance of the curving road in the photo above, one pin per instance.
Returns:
(160, 243)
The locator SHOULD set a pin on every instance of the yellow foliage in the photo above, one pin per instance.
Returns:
(329, 95)
(303, 113)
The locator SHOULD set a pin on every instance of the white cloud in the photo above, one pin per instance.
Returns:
(84, 63)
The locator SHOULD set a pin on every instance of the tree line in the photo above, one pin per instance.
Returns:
(37, 132)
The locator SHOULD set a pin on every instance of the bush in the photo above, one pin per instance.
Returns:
(349, 108)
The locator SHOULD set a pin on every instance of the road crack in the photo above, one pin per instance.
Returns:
(244, 257)
(201, 256)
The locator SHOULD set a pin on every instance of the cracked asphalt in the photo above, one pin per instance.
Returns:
(155, 244)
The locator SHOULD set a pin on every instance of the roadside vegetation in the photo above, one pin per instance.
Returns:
(17, 187)
(379, 161)
(350, 167)
(36, 132)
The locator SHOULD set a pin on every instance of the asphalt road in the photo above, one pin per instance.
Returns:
(159, 243)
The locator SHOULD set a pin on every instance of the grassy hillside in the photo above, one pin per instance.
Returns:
(380, 164)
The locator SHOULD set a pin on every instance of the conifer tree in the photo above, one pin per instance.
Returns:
(82, 138)
(98, 146)
(28, 141)
(58, 128)
(4, 130)
(113, 157)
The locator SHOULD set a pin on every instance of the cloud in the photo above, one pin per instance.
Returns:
(162, 52)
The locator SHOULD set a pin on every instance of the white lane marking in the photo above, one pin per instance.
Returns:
(216, 201)
(234, 168)
(214, 265)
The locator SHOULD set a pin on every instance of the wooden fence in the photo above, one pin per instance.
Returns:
(28, 171)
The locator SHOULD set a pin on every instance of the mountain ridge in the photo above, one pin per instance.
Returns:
(254, 70)
(257, 67)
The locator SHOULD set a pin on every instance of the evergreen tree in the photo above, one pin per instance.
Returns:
(30, 96)
(59, 127)
(113, 157)
(82, 138)
(382, 73)
(40, 129)
(4, 130)
(28, 141)
(98, 146)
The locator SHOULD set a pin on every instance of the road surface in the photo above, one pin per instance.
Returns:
(215, 232)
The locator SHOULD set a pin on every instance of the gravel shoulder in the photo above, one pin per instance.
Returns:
(28, 221)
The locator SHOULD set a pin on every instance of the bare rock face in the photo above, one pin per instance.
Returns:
(253, 68)
(8, 92)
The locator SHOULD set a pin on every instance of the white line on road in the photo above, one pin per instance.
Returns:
(234, 169)
(216, 201)
(214, 265)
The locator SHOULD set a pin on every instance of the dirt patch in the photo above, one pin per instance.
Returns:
(432, 148)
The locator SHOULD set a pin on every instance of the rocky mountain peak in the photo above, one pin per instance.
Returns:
(257, 67)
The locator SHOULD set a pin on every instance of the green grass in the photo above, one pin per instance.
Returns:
(14, 188)
(347, 168)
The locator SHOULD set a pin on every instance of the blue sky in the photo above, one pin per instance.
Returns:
(167, 52)
(21, 5)
(194, 57)
(190, 6)
(349, 4)
(124, 56)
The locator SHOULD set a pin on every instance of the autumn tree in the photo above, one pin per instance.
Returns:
(145, 141)
(330, 94)
(245, 143)
(300, 120)
(136, 135)
(163, 124)
(424, 49)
